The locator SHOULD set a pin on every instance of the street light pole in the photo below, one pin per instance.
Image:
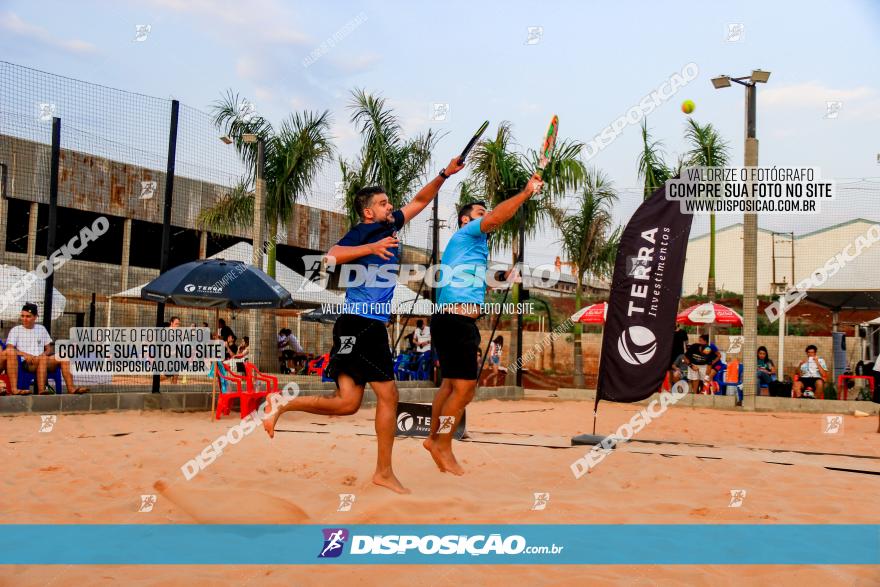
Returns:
(750, 240)
(263, 351)
(750, 267)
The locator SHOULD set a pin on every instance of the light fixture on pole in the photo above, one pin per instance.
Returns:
(722, 81)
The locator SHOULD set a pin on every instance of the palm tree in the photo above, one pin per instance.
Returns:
(708, 149)
(294, 154)
(498, 172)
(386, 157)
(652, 167)
(589, 242)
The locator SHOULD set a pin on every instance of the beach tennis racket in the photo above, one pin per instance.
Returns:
(472, 142)
(547, 146)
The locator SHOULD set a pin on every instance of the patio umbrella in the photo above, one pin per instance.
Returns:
(594, 314)
(17, 287)
(319, 315)
(709, 313)
(217, 283)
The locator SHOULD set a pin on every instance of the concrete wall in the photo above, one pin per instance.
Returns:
(103, 186)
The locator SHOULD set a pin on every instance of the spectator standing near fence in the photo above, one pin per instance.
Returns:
(224, 331)
(422, 337)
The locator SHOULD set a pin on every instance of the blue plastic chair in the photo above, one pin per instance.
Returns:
(423, 367)
(26, 378)
(401, 373)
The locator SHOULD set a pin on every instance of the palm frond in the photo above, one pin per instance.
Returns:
(587, 236)
(232, 121)
(652, 167)
(708, 149)
(233, 211)
(386, 158)
(298, 153)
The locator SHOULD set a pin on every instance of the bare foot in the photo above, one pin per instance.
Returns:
(448, 462)
(435, 454)
(269, 423)
(390, 481)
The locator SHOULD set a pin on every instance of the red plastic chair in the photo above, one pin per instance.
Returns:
(224, 378)
(317, 366)
(250, 397)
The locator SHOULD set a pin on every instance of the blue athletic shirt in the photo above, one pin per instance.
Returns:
(373, 298)
(464, 266)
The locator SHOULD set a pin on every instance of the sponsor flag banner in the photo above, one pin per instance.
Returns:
(645, 289)
(415, 420)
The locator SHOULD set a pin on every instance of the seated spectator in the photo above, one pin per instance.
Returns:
(231, 346)
(242, 354)
(812, 373)
(766, 368)
(495, 348)
(244, 348)
(421, 336)
(700, 357)
(410, 342)
(679, 369)
(299, 357)
(223, 331)
(31, 341)
(3, 390)
(285, 355)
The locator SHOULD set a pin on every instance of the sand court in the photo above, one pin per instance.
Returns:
(94, 469)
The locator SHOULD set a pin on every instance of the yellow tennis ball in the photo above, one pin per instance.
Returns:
(688, 106)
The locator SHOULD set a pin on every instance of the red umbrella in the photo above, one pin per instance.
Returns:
(594, 314)
(709, 313)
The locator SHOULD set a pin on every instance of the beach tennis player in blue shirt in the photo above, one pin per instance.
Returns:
(456, 338)
(361, 352)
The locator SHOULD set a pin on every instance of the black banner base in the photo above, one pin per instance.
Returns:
(587, 439)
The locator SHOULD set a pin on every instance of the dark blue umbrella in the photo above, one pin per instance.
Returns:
(319, 315)
(216, 283)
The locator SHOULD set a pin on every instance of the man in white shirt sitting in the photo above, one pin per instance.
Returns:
(29, 341)
(422, 337)
(812, 373)
(297, 353)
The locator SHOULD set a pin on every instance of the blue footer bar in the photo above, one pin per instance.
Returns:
(144, 544)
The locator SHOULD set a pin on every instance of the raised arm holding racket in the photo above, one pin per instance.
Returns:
(454, 332)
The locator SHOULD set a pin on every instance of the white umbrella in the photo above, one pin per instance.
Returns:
(18, 286)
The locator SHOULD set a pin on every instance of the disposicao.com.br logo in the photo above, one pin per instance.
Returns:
(334, 540)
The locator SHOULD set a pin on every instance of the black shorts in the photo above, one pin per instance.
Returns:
(360, 350)
(810, 382)
(456, 340)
